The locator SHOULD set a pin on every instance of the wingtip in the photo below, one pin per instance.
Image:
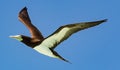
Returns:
(25, 8)
(101, 21)
(105, 20)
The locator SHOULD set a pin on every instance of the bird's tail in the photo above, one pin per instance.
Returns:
(59, 57)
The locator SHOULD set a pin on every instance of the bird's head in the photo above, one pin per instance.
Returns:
(26, 40)
(17, 37)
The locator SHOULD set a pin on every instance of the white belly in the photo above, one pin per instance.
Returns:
(44, 50)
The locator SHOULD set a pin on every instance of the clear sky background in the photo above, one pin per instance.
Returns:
(96, 48)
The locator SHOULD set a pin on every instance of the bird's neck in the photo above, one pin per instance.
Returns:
(30, 41)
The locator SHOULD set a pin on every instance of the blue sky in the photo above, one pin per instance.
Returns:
(97, 48)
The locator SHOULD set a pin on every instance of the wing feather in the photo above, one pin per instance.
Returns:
(25, 19)
(64, 32)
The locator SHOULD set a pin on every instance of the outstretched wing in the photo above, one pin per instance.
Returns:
(24, 18)
(66, 31)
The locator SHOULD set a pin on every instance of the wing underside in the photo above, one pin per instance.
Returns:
(64, 32)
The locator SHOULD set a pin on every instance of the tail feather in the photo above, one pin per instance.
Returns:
(58, 56)
(61, 58)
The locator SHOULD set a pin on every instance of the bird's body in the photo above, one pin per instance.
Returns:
(47, 45)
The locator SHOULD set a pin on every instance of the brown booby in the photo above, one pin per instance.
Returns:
(47, 45)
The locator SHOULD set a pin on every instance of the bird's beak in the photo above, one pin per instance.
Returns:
(12, 36)
(18, 37)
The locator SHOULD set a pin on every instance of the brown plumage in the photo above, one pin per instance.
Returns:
(47, 45)
(25, 19)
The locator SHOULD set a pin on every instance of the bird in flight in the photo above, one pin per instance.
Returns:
(47, 45)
